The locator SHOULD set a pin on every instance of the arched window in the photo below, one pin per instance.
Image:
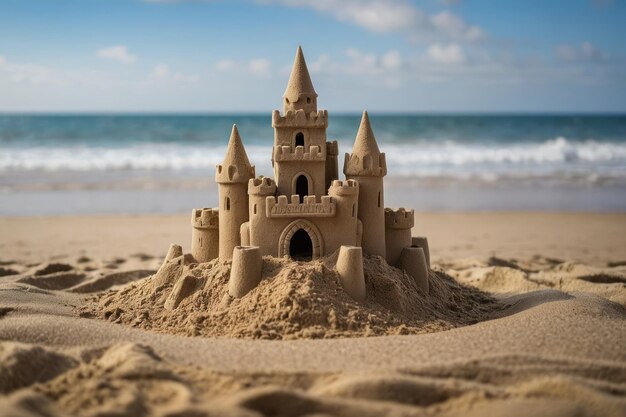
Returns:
(227, 203)
(299, 139)
(302, 187)
(308, 100)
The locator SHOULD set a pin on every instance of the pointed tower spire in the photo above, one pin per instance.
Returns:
(365, 142)
(299, 80)
(236, 166)
(366, 159)
(300, 94)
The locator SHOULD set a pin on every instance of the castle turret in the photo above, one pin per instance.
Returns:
(204, 234)
(367, 165)
(398, 225)
(300, 94)
(233, 176)
(258, 190)
(299, 156)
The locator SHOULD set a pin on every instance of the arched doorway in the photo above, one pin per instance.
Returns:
(300, 240)
(302, 187)
(301, 246)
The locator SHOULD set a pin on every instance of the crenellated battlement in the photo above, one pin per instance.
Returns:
(286, 153)
(347, 187)
(205, 218)
(399, 219)
(332, 148)
(281, 207)
(300, 118)
(261, 186)
(366, 166)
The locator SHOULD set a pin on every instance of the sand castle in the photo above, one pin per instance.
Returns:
(306, 212)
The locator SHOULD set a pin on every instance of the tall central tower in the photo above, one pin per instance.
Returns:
(299, 155)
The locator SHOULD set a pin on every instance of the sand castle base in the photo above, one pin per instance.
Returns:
(341, 295)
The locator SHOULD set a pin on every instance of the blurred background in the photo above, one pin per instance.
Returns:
(125, 106)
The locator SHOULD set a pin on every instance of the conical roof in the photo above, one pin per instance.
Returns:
(236, 166)
(365, 142)
(365, 159)
(299, 80)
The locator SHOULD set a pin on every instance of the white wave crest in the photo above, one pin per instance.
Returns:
(422, 158)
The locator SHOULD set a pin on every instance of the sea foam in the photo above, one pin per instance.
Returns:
(423, 158)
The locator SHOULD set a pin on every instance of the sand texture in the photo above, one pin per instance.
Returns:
(88, 332)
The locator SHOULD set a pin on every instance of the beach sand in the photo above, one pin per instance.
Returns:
(549, 340)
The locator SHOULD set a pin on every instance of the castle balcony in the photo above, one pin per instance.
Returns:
(299, 118)
(286, 154)
(281, 207)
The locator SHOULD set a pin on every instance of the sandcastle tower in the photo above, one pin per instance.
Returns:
(204, 234)
(299, 154)
(367, 165)
(398, 225)
(233, 176)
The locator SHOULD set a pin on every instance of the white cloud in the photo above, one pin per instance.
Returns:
(161, 71)
(259, 67)
(118, 53)
(31, 74)
(386, 16)
(391, 60)
(225, 65)
(185, 78)
(585, 52)
(455, 27)
(446, 54)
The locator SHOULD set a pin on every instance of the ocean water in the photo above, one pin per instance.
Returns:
(74, 164)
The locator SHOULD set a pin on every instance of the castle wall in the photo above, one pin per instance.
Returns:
(331, 221)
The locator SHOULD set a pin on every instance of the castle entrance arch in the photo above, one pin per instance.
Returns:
(301, 241)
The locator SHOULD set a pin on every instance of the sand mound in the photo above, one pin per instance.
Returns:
(294, 300)
(108, 281)
(500, 276)
(22, 365)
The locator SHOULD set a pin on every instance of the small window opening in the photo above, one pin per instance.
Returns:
(286, 100)
(254, 209)
(200, 240)
(353, 210)
(379, 199)
(308, 100)
(299, 139)
(302, 187)
(227, 203)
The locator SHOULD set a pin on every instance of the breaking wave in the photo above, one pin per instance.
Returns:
(590, 161)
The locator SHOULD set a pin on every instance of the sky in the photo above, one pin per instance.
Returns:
(383, 55)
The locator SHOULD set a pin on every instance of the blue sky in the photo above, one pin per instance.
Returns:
(383, 55)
